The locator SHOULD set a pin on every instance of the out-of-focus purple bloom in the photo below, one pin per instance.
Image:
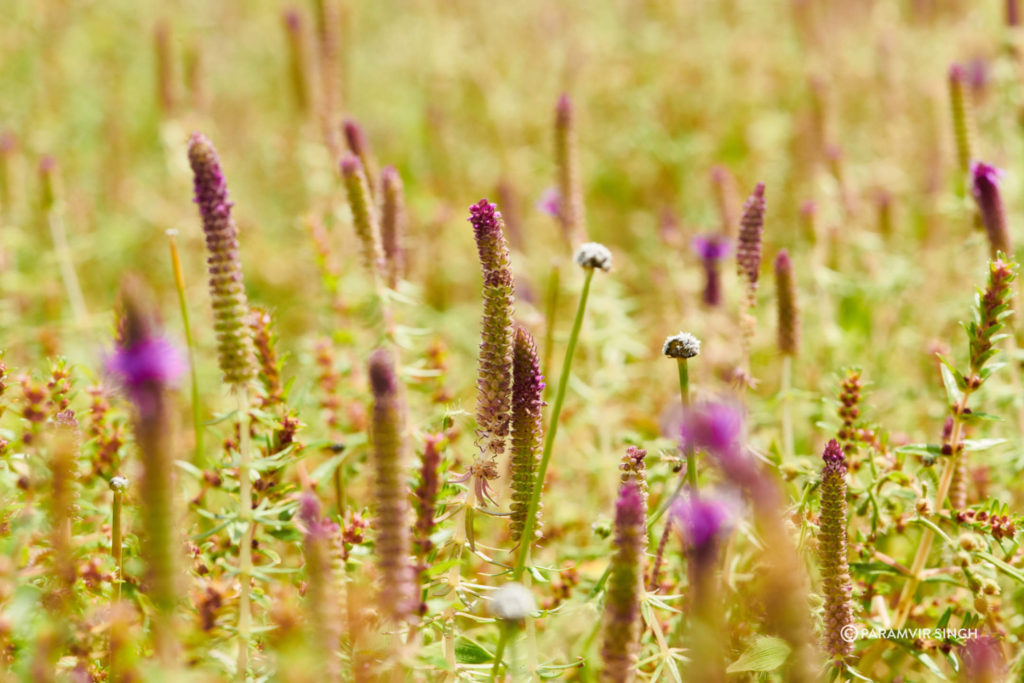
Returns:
(317, 526)
(711, 247)
(983, 660)
(551, 203)
(703, 520)
(977, 75)
(143, 365)
(716, 427)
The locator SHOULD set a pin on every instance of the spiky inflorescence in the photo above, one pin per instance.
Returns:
(527, 428)
(364, 216)
(622, 601)
(1013, 13)
(393, 542)
(355, 140)
(748, 247)
(227, 290)
(633, 468)
(992, 308)
(985, 190)
(832, 552)
(149, 376)
(494, 382)
(849, 411)
(270, 367)
(788, 310)
(960, 111)
(426, 500)
(392, 224)
(570, 209)
(318, 550)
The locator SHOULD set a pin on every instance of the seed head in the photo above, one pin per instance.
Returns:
(593, 255)
(682, 345)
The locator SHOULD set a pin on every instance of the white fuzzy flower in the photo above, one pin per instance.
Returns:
(594, 255)
(512, 602)
(682, 345)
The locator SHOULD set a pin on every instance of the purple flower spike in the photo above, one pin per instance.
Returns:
(985, 188)
(748, 252)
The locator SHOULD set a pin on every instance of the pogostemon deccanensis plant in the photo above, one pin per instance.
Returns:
(234, 346)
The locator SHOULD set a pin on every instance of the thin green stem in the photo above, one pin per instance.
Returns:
(67, 267)
(116, 544)
(550, 309)
(684, 393)
(549, 438)
(549, 442)
(245, 551)
(179, 284)
(787, 416)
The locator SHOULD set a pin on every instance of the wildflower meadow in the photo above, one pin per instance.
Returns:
(447, 340)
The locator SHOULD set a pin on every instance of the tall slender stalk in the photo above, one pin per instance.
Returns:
(179, 285)
(549, 438)
(249, 528)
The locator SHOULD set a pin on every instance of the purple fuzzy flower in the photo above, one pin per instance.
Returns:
(716, 427)
(551, 203)
(317, 526)
(711, 247)
(985, 189)
(144, 364)
(702, 520)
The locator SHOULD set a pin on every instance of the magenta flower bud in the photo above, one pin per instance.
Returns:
(1013, 13)
(748, 250)
(711, 249)
(227, 290)
(622, 601)
(494, 383)
(985, 189)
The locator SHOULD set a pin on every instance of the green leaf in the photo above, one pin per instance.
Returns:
(766, 654)
(921, 449)
(471, 652)
(952, 379)
(974, 445)
(1007, 569)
